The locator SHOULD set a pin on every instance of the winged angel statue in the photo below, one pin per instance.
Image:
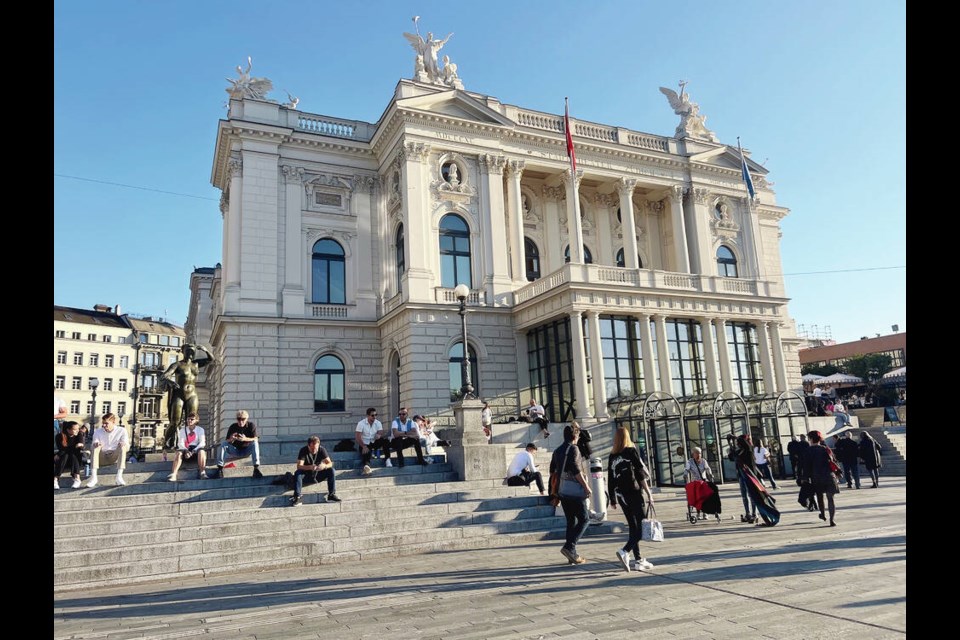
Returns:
(692, 124)
(247, 87)
(427, 50)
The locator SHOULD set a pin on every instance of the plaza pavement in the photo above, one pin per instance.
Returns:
(798, 580)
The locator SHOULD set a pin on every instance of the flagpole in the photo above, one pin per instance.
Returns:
(751, 209)
(575, 252)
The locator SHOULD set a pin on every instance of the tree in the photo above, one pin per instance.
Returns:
(862, 365)
(819, 369)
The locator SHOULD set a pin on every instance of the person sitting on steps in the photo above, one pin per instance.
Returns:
(536, 413)
(242, 441)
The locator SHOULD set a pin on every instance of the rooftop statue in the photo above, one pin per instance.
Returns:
(428, 50)
(692, 124)
(247, 87)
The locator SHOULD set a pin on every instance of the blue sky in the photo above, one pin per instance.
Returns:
(816, 90)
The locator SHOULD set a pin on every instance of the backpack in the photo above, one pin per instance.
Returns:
(624, 478)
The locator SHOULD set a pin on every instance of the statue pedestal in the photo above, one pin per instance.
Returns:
(472, 458)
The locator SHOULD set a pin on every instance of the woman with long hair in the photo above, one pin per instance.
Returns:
(565, 467)
(761, 457)
(818, 473)
(627, 482)
(69, 444)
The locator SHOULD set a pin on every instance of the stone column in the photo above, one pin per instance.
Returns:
(574, 224)
(418, 233)
(518, 252)
(625, 189)
(596, 364)
(752, 238)
(469, 454)
(646, 350)
(362, 206)
(679, 230)
(778, 363)
(497, 280)
(663, 354)
(709, 355)
(231, 258)
(292, 295)
(579, 366)
(725, 378)
(552, 254)
(766, 364)
(700, 219)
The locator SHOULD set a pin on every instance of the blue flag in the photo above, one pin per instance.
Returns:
(745, 172)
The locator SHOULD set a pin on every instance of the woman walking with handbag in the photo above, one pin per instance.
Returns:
(627, 481)
(818, 473)
(567, 482)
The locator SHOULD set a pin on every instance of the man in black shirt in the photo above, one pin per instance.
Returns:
(241, 442)
(314, 465)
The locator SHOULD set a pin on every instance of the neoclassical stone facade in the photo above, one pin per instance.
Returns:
(343, 241)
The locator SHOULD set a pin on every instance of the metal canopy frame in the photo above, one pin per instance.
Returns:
(712, 412)
(768, 411)
(645, 409)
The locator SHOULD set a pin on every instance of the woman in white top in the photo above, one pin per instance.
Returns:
(762, 459)
(486, 419)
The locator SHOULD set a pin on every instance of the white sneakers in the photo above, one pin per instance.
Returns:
(622, 556)
(641, 565)
(201, 475)
(172, 477)
(92, 482)
(389, 464)
(120, 479)
(366, 470)
(56, 483)
(76, 483)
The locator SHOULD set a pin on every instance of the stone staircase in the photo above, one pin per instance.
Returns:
(893, 442)
(152, 528)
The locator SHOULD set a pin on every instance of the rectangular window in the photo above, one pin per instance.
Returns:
(108, 360)
(551, 369)
(121, 409)
(75, 335)
(175, 341)
(165, 340)
(78, 359)
(74, 407)
(61, 357)
(108, 384)
(92, 337)
(622, 356)
(94, 359)
(143, 338)
(150, 359)
(122, 384)
(686, 357)
(75, 382)
(124, 362)
(106, 406)
(59, 334)
(744, 358)
(91, 408)
(107, 338)
(60, 382)
(149, 406)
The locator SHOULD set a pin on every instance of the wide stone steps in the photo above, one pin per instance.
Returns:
(155, 529)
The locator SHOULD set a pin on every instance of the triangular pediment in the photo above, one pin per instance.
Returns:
(728, 158)
(455, 104)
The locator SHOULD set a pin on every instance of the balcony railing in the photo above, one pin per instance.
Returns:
(330, 310)
(592, 274)
(477, 297)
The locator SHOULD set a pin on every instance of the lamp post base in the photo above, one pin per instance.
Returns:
(470, 454)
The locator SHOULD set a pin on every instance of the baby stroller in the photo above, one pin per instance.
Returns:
(703, 499)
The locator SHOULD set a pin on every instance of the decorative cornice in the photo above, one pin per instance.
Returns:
(414, 151)
(701, 195)
(327, 180)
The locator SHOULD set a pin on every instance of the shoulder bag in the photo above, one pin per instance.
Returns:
(570, 488)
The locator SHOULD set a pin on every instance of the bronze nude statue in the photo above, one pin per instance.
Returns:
(181, 381)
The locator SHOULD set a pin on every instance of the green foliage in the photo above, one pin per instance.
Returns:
(819, 369)
(862, 365)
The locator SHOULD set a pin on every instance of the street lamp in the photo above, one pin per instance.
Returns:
(94, 383)
(462, 291)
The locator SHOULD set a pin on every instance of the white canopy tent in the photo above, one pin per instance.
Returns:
(900, 372)
(840, 378)
(811, 377)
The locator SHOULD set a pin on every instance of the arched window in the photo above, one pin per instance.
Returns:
(533, 259)
(622, 263)
(454, 252)
(726, 262)
(329, 273)
(401, 258)
(328, 385)
(456, 370)
(587, 256)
